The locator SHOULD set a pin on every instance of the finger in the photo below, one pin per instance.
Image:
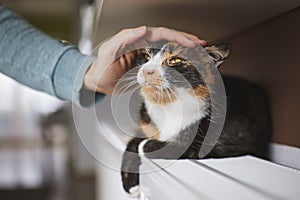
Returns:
(197, 39)
(115, 46)
(128, 36)
(188, 40)
(127, 60)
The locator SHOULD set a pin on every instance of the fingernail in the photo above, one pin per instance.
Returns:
(139, 30)
(203, 42)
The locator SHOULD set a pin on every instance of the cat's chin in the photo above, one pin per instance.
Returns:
(148, 85)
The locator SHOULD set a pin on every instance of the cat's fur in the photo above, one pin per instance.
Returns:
(176, 113)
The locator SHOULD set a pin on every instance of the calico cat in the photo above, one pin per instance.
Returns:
(176, 112)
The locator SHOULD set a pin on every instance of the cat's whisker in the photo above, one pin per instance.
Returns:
(162, 91)
(217, 105)
(122, 83)
(131, 77)
(128, 86)
(215, 118)
(160, 95)
(168, 93)
(172, 92)
(133, 85)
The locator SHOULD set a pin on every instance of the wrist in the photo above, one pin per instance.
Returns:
(89, 82)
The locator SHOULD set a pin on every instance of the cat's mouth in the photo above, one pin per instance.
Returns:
(151, 84)
(154, 84)
(153, 81)
(158, 93)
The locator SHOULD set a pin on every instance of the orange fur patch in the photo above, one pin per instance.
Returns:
(157, 96)
(201, 92)
(150, 130)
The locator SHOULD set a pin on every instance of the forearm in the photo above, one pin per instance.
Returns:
(40, 62)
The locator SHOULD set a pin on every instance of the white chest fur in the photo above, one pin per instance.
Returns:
(171, 118)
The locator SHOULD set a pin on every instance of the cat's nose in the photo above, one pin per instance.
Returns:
(147, 72)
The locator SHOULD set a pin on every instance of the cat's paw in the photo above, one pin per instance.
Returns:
(130, 182)
(135, 191)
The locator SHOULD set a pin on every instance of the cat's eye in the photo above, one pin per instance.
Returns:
(147, 53)
(174, 61)
(147, 56)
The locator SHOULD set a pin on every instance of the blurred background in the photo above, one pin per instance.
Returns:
(41, 156)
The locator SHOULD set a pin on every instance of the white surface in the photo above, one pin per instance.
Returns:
(232, 178)
(285, 155)
(109, 185)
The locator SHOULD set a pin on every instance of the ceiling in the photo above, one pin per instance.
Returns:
(210, 19)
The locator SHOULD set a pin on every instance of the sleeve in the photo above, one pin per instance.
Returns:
(42, 63)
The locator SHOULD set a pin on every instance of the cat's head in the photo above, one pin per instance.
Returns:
(166, 70)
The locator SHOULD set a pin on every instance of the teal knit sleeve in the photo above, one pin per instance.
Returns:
(42, 63)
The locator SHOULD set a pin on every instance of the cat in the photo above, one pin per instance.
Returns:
(176, 111)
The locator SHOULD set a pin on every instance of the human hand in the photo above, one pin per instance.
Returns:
(108, 68)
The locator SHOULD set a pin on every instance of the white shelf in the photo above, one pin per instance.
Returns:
(244, 178)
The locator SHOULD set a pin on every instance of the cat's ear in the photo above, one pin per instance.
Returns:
(218, 52)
